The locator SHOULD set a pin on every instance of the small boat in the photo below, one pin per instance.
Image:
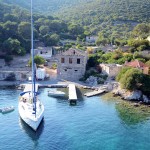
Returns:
(55, 93)
(7, 109)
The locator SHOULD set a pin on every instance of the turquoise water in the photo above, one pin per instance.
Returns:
(93, 124)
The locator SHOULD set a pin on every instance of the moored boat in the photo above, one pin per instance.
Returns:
(7, 109)
(31, 110)
(55, 93)
(28, 114)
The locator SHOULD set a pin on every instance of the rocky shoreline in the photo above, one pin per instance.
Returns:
(131, 95)
(115, 89)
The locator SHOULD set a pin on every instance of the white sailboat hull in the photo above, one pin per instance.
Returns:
(29, 118)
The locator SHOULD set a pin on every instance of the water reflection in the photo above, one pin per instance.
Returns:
(34, 135)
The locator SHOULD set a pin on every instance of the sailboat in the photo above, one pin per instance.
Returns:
(31, 109)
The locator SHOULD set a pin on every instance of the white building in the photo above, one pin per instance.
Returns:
(45, 52)
(111, 69)
(91, 39)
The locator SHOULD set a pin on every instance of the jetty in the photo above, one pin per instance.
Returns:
(71, 90)
(94, 93)
(53, 85)
(72, 94)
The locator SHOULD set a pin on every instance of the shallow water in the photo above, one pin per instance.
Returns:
(93, 124)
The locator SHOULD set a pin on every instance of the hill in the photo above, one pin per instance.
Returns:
(115, 18)
(15, 30)
(105, 14)
(46, 6)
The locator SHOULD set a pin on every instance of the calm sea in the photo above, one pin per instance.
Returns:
(93, 124)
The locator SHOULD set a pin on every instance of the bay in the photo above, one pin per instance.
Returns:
(93, 124)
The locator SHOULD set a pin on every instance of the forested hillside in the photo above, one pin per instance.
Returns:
(107, 14)
(15, 30)
(46, 6)
(113, 19)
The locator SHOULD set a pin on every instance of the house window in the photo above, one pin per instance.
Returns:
(62, 60)
(78, 60)
(70, 60)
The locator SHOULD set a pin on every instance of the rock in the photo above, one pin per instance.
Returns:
(135, 95)
(136, 104)
(146, 99)
(127, 95)
(92, 81)
(140, 102)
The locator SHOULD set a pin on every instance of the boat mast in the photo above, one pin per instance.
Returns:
(32, 58)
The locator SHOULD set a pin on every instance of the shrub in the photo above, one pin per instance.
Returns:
(8, 58)
(131, 80)
(54, 66)
(121, 73)
(38, 60)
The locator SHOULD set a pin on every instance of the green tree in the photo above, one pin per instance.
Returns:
(10, 17)
(12, 46)
(148, 63)
(121, 73)
(44, 30)
(75, 29)
(145, 84)
(10, 29)
(141, 30)
(24, 30)
(132, 79)
(51, 40)
(38, 60)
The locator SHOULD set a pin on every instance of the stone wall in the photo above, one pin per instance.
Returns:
(110, 69)
(19, 75)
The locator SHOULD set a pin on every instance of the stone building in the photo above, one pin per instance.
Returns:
(111, 69)
(71, 64)
(45, 52)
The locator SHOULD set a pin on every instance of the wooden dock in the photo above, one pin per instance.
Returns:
(72, 94)
(94, 93)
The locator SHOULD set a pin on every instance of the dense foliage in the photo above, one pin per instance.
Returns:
(111, 20)
(133, 79)
(117, 57)
(46, 6)
(15, 30)
(107, 19)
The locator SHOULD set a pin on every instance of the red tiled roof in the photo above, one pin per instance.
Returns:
(136, 64)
